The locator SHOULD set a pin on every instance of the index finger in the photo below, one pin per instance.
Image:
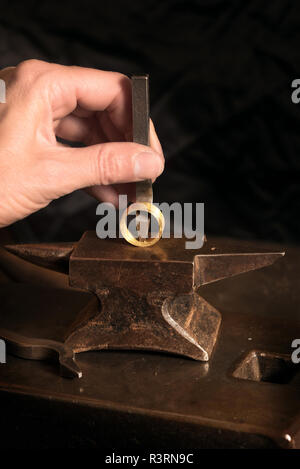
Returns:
(69, 87)
(96, 90)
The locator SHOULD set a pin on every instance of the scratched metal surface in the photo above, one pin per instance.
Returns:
(144, 398)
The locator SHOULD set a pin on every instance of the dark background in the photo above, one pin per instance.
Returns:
(221, 74)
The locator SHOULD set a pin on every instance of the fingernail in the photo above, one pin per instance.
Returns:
(147, 165)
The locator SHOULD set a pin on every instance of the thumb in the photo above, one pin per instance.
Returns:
(108, 163)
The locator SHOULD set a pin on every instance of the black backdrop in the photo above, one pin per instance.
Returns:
(221, 74)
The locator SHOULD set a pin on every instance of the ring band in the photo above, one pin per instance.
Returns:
(142, 207)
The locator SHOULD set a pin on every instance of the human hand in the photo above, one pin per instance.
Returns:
(45, 101)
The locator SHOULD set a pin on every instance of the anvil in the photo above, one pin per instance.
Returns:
(143, 298)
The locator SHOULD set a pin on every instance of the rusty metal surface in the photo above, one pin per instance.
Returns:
(138, 399)
(22, 270)
(52, 255)
(148, 298)
(32, 348)
(32, 331)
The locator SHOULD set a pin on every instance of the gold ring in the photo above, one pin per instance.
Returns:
(142, 207)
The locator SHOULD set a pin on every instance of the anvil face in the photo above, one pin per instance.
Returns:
(166, 267)
(148, 296)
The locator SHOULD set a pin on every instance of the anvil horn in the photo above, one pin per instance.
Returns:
(208, 268)
(46, 254)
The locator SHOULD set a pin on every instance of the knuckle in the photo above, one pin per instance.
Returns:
(28, 67)
(29, 70)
